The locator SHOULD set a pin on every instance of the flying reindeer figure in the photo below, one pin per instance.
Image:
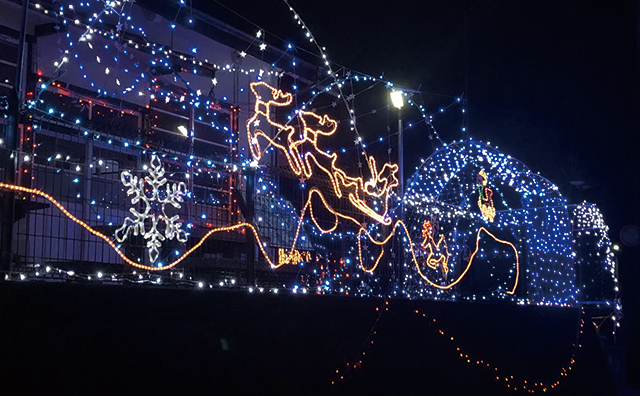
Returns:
(305, 157)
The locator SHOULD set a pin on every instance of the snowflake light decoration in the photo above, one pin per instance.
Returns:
(161, 193)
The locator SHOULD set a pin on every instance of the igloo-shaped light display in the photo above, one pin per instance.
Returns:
(485, 226)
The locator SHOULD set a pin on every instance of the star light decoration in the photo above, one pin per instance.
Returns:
(146, 223)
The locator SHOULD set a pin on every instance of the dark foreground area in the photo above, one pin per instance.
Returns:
(79, 339)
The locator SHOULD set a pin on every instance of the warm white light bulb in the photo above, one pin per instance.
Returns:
(183, 130)
(397, 99)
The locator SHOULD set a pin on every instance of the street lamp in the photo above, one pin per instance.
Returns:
(397, 99)
(183, 130)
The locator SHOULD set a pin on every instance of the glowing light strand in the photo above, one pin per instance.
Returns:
(356, 363)
(402, 225)
(119, 252)
(509, 380)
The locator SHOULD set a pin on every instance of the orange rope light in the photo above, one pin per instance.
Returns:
(500, 241)
(415, 261)
(257, 236)
(115, 247)
(354, 189)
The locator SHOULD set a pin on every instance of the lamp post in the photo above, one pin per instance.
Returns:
(397, 99)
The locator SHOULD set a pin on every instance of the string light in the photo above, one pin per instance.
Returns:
(527, 208)
(508, 380)
(356, 363)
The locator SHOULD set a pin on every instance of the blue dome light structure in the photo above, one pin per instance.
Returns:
(503, 231)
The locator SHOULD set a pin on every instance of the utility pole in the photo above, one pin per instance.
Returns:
(11, 143)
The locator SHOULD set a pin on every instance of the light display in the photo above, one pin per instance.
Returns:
(293, 257)
(517, 236)
(528, 219)
(513, 241)
(451, 256)
(354, 189)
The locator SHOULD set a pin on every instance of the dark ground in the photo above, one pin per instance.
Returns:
(75, 339)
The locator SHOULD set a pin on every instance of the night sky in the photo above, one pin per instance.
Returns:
(552, 83)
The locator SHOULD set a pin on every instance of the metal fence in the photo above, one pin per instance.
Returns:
(78, 158)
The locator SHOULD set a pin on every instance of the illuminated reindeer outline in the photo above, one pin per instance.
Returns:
(302, 162)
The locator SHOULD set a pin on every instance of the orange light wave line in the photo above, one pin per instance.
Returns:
(119, 252)
(415, 261)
